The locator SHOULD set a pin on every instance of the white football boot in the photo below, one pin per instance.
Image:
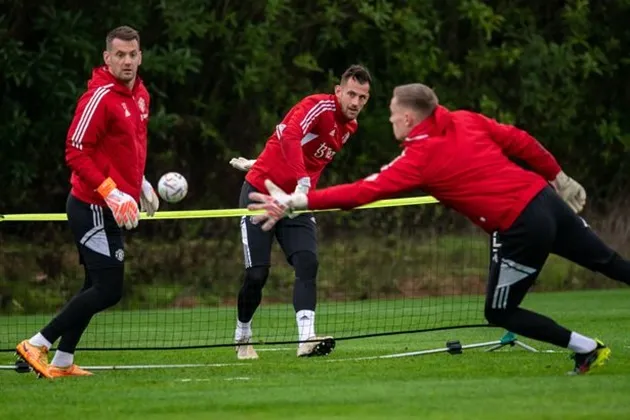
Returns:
(244, 350)
(316, 346)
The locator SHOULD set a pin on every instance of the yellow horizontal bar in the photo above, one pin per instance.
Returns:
(206, 214)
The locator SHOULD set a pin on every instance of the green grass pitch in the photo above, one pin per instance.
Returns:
(509, 383)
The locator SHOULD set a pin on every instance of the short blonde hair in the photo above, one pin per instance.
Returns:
(417, 96)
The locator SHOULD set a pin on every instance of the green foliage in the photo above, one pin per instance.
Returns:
(221, 76)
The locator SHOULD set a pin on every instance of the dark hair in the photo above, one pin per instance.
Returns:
(358, 73)
(125, 33)
(417, 96)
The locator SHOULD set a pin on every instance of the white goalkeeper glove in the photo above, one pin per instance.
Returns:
(242, 164)
(123, 206)
(570, 191)
(302, 187)
(149, 201)
(276, 205)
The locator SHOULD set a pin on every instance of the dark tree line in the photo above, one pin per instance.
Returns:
(223, 72)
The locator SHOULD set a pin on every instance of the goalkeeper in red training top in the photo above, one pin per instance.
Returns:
(295, 155)
(106, 150)
(462, 159)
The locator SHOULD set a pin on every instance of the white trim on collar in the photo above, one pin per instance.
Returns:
(419, 137)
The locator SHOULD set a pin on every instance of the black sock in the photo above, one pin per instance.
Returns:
(529, 324)
(70, 338)
(106, 291)
(304, 291)
(250, 295)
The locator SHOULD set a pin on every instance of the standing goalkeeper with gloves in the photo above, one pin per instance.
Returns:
(295, 155)
(462, 159)
(106, 151)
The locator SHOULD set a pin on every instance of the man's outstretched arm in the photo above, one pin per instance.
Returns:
(402, 174)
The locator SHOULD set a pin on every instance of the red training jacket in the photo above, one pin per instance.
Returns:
(108, 137)
(306, 140)
(460, 158)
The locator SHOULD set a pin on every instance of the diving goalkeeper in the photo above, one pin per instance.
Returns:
(462, 159)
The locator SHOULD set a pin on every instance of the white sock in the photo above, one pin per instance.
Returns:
(243, 329)
(39, 340)
(62, 359)
(306, 324)
(581, 344)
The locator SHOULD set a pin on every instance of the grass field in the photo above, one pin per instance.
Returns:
(510, 383)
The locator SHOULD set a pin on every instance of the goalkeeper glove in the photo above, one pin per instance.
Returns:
(123, 206)
(149, 201)
(242, 164)
(276, 205)
(570, 191)
(302, 187)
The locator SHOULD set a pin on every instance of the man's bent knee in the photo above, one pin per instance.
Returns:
(306, 265)
(256, 277)
(109, 284)
(497, 316)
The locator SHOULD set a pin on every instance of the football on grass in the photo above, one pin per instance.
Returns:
(172, 187)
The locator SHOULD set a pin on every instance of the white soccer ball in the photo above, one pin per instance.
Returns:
(172, 187)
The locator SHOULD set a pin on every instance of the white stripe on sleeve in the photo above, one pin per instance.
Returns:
(86, 116)
(317, 110)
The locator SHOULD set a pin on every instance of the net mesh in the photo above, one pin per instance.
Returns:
(381, 271)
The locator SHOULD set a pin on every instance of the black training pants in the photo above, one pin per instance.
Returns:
(101, 251)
